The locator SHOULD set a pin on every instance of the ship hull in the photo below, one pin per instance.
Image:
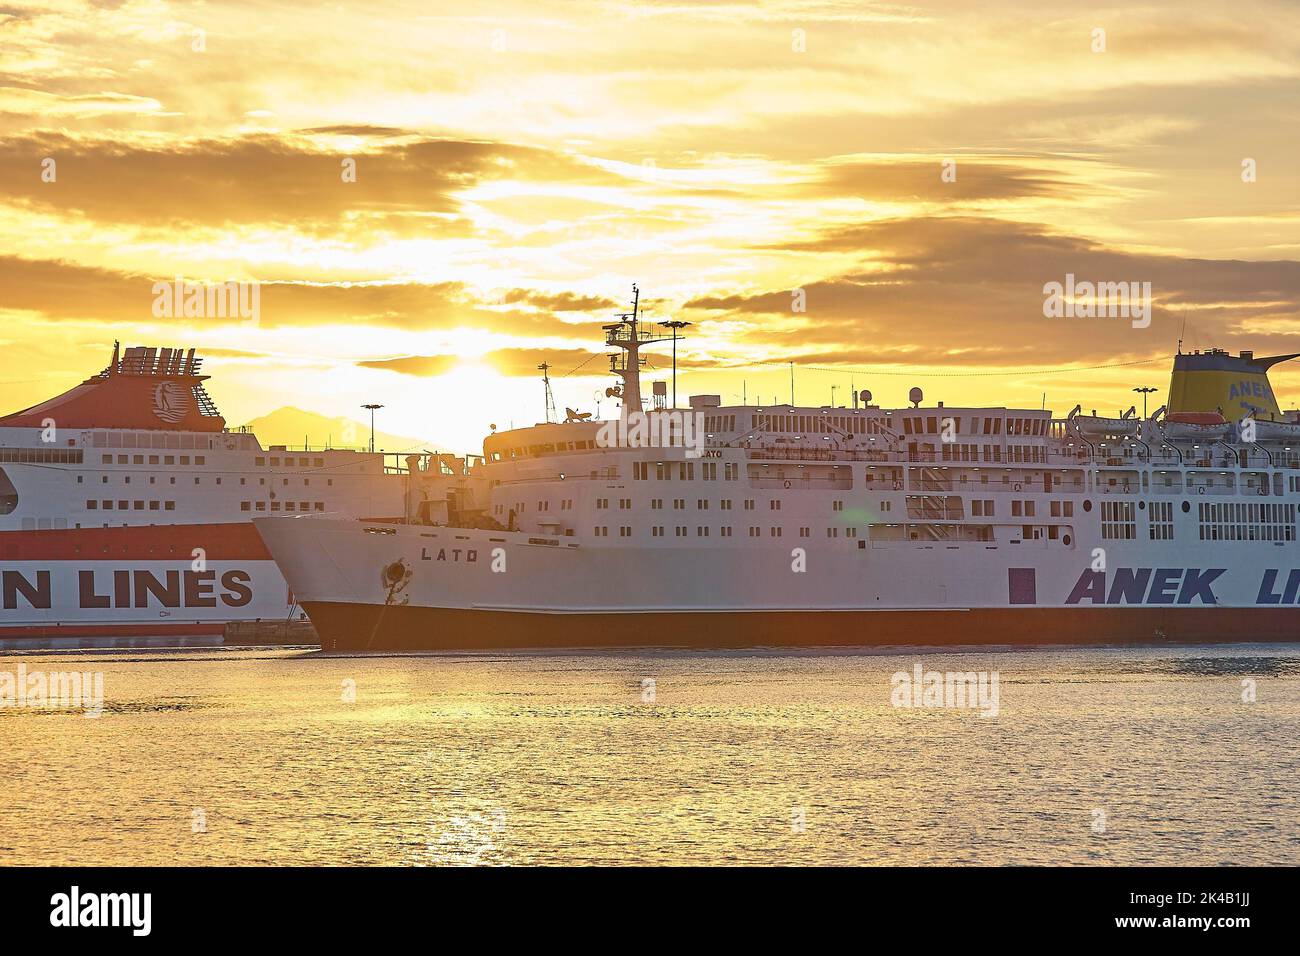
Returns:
(134, 586)
(377, 588)
(345, 627)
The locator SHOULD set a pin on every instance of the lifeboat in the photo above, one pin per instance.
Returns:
(1099, 425)
(1197, 426)
(1277, 431)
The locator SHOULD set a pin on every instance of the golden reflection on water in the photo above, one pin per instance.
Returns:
(257, 756)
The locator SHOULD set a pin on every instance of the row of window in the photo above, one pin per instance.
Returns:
(156, 440)
(931, 484)
(815, 424)
(937, 424)
(1232, 521)
(42, 456)
(685, 470)
(1030, 454)
(984, 507)
(289, 462)
(724, 531)
(106, 504)
(544, 448)
(287, 506)
(171, 479)
(656, 504)
(154, 459)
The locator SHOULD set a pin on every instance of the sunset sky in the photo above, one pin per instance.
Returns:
(520, 164)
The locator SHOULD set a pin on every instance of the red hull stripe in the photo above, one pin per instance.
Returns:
(236, 541)
(73, 631)
(359, 627)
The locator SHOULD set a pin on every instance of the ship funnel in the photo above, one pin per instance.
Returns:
(1232, 385)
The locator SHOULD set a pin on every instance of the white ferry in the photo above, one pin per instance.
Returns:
(851, 525)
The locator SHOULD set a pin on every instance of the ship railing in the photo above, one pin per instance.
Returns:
(803, 481)
(1203, 489)
(975, 489)
(327, 446)
(605, 475)
(932, 484)
(935, 514)
(624, 334)
(797, 453)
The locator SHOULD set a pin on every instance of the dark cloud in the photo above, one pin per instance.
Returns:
(359, 130)
(913, 181)
(425, 366)
(65, 290)
(971, 291)
(267, 178)
(525, 361)
(522, 362)
(560, 301)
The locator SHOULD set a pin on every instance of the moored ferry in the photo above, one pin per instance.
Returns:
(854, 525)
(125, 507)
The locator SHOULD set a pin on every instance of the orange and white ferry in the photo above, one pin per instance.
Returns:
(125, 507)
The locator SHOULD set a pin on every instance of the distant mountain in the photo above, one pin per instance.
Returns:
(291, 426)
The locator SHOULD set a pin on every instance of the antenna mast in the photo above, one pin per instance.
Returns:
(626, 334)
(551, 415)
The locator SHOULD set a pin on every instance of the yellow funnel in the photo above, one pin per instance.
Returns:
(1232, 385)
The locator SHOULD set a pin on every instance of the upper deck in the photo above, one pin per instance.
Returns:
(919, 435)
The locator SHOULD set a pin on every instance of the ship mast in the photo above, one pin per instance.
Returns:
(626, 334)
(551, 415)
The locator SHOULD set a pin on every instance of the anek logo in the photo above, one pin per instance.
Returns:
(103, 909)
(1147, 586)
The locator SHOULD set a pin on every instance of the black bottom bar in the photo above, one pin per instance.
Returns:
(972, 908)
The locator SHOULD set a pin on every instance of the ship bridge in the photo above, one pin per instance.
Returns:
(542, 440)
